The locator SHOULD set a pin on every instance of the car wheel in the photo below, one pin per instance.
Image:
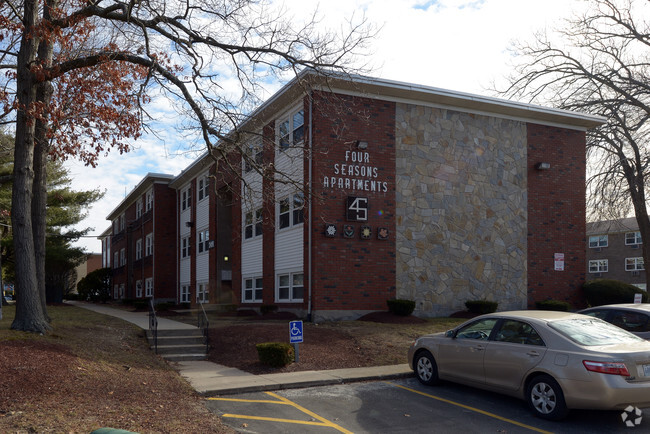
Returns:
(426, 368)
(545, 398)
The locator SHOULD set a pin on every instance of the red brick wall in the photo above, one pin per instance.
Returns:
(165, 242)
(556, 214)
(351, 273)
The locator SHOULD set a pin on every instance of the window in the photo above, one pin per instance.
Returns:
(252, 290)
(149, 245)
(290, 287)
(138, 249)
(185, 293)
(186, 198)
(518, 332)
(203, 187)
(148, 287)
(116, 292)
(291, 211)
(253, 228)
(254, 156)
(138, 289)
(204, 237)
(633, 238)
(149, 200)
(291, 130)
(122, 257)
(480, 330)
(138, 208)
(185, 247)
(202, 293)
(634, 264)
(116, 260)
(596, 241)
(122, 222)
(598, 266)
(122, 290)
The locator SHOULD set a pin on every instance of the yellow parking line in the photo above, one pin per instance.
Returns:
(283, 401)
(467, 407)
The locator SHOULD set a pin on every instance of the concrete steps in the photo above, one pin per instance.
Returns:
(179, 345)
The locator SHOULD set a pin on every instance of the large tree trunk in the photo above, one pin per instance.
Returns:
(29, 310)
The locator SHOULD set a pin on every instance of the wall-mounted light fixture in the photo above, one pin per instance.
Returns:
(543, 166)
(362, 145)
(189, 224)
(225, 259)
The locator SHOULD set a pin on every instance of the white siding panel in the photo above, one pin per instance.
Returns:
(289, 253)
(185, 271)
(251, 257)
(202, 213)
(202, 267)
(185, 217)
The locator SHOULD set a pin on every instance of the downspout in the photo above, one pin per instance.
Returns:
(309, 224)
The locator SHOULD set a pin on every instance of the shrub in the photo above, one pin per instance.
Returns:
(268, 308)
(481, 306)
(607, 291)
(164, 306)
(559, 305)
(401, 307)
(140, 305)
(96, 286)
(275, 354)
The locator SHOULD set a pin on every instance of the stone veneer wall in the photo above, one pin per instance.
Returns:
(461, 209)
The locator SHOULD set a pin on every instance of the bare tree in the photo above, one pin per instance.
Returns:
(212, 58)
(599, 63)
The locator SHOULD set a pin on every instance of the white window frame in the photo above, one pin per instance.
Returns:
(290, 130)
(252, 287)
(116, 291)
(138, 208)
(597, 241)
(149, 244)
(254, 155)
(203, 238)
(292, 277)
(202, 293)
(116, 259)
(122, 257)
(185, 294)
(148, 287)
(293, 208)
(185, 247)
(253, 224)
(149, 200)
(122, 222)
(633, 238)
(634, 264)
(186, 198)
(598, 266)
(138, 289)
(122, 292)
(202, 187)
(138, 249)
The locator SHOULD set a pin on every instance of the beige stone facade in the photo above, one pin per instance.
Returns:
(461, 209)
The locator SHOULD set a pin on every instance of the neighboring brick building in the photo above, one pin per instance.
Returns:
(143, 235)
(614, 251)
(416, 192)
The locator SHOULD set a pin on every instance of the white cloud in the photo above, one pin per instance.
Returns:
(454, 44)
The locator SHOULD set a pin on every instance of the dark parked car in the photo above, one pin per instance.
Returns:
(634, 318)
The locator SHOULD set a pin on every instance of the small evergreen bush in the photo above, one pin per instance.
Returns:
(401, 307)
(275, 354)
(481, 307)
(140, 305)
(607, 291)
(268, 308)
(558, 305)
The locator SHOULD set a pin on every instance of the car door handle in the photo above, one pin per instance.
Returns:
(532, 354)
(479, 348)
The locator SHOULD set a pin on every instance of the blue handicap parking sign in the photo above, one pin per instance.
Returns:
(295, 332)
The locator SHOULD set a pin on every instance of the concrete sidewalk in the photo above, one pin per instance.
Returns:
(210, 379)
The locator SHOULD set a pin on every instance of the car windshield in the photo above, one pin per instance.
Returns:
(592, 331)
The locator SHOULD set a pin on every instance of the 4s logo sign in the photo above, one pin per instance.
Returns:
(357, 209)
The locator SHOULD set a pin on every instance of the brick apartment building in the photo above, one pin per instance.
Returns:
(614, 251)
(384, 189)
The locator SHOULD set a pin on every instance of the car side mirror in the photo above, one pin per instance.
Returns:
(450, 334)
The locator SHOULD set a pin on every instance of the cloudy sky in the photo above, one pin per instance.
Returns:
(452, 44)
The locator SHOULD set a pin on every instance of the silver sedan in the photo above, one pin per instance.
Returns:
(555, 361)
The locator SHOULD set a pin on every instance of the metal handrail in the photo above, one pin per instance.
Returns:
(204, 325)
(153, 324)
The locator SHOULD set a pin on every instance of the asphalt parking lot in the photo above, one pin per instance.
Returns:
(401, 406)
